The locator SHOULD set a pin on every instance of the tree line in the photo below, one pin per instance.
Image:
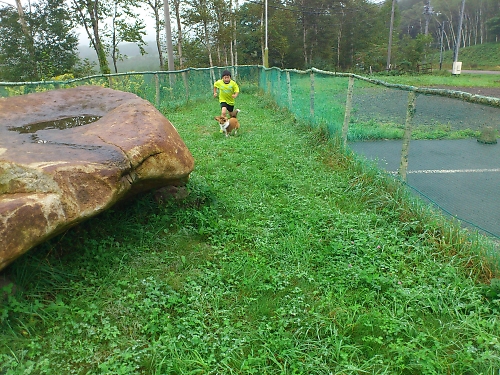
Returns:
(39, 41)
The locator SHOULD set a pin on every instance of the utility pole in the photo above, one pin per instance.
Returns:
(459, 32)
(391, 27)
(266, 50)
(428, 12)
(441, 27)
(456, 68)
(168, 32)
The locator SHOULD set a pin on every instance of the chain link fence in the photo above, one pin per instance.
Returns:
(426, 137)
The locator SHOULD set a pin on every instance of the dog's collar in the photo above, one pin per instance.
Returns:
(225, 125)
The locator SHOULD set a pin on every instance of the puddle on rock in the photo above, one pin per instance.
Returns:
(65, 123)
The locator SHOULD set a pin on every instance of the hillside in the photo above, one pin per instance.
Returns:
(133, 61)
(479, 57)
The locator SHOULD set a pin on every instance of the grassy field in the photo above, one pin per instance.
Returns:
(379, 112)
(482, 56)
(287, 257)
(444, 79)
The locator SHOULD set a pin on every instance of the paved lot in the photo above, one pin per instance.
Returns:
(461, 176)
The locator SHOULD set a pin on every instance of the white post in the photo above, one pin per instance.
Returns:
(457, 66)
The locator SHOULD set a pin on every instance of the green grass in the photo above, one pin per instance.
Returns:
(373, 130)
(444, 79)
(378, 111)
(479, 57)
(287, 257)
(484, 56)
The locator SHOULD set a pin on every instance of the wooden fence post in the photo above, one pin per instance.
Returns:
(311, 109)
(279, 86)
(289, 87)
(348, 107)
(410, 113)
(212, 76)
(157, 85)
(186, 85)
(268, 82)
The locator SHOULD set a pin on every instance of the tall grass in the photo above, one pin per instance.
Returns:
(287, 257)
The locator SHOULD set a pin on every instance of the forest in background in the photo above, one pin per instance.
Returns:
(39, 40)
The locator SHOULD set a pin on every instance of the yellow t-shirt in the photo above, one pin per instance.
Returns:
(226, 91)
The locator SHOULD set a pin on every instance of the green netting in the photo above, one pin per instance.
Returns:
(166, 90)
(313, 97)
(461, 176)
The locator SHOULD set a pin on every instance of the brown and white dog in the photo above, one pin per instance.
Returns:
(228, 125)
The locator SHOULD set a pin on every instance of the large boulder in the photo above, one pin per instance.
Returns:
(57, 170)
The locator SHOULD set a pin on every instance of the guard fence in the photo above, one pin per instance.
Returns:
(452, 160)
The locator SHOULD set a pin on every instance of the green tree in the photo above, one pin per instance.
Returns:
(412, 51)
(16, 63)
(223, 31)
(493, 25)
(55, 42)
(124, 31)
(156, 7)
(51, 50)
(370, 37)
(279, 43)
(180, 35)
(364, 36)
(89, 14)
(250, 33)
(199, 15)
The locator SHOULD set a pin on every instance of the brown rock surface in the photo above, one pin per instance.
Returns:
(52, 177)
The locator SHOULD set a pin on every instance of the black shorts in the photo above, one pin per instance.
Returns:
(230, 108)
